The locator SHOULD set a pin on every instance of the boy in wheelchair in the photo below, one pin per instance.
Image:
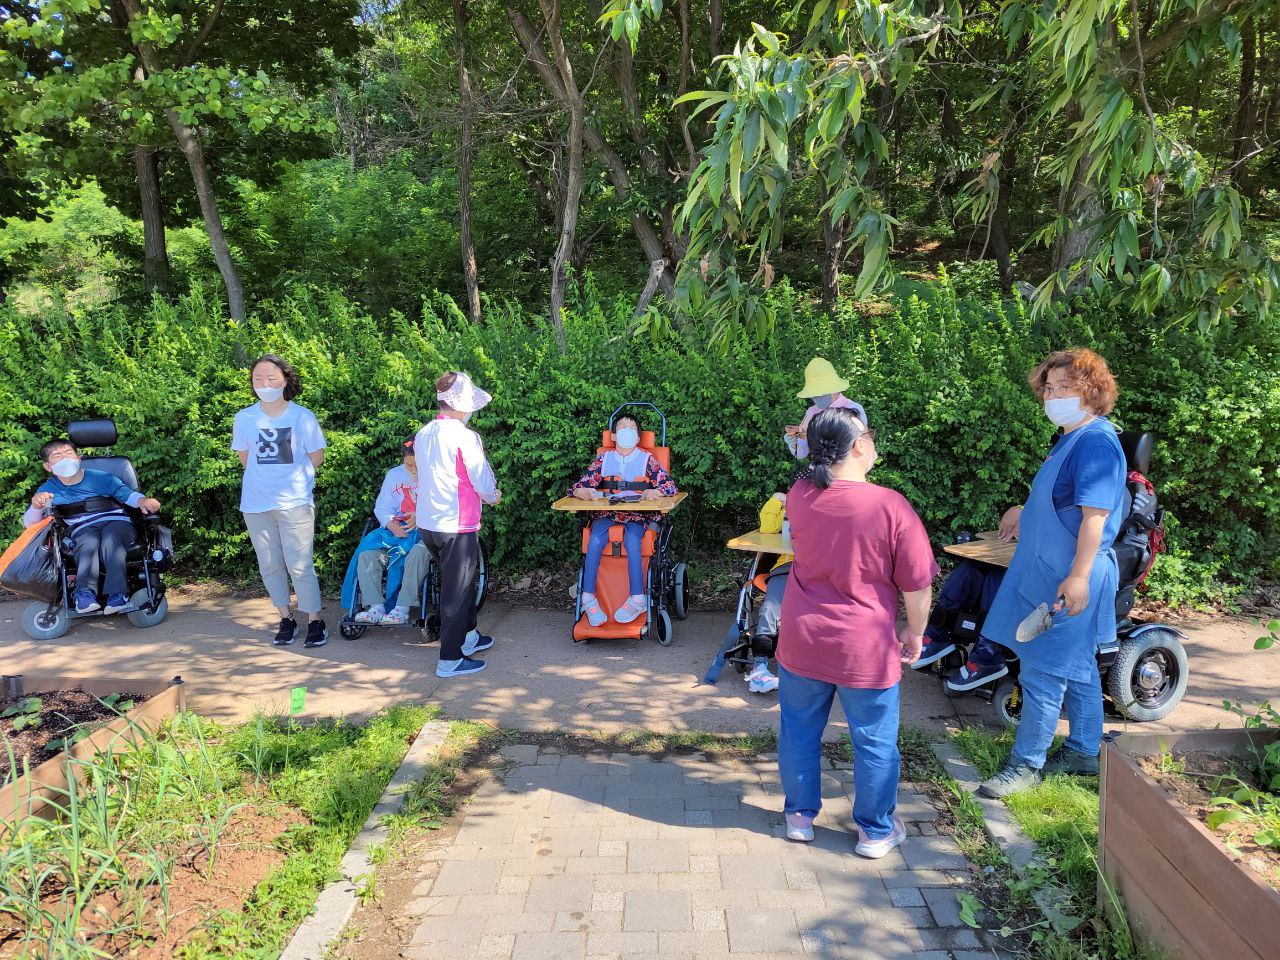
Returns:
(391, 549)
(91, 505)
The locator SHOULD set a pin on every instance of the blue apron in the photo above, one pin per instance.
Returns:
(1045, 553)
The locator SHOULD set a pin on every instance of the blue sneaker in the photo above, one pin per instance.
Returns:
(85, 601)
(458, 668)
(116, 603)
(476, 642)
(933, 651)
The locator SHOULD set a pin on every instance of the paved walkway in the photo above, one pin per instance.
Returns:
(569, 857)
(537, 679)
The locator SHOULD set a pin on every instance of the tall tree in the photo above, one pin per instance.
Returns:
(149, 68)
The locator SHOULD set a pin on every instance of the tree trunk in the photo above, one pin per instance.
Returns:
(470, 272)
(573, 173)
(155, 254)
(614, 165)
(1082, 205)
(715, 16)
(1247, 107)
(189, 142)
(686, 68)
(998, 239)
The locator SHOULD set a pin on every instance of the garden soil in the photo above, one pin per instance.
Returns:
(61, 712)
(1198, 777)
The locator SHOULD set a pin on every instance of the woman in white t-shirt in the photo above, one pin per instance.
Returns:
(280, 445)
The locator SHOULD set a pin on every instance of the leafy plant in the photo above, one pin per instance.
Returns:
(1245, 804)
(1270, 638)
(25, 714)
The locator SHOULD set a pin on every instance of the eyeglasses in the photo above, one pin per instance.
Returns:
(1048, 392)
(869, 434)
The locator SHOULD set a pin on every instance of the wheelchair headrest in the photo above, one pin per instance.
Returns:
(1137, 446)
(92, 433)
(647, 440)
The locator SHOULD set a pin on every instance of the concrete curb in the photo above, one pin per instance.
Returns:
(337, 901)
(1051, 898)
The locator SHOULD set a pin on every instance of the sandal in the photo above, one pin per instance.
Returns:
(396, 618)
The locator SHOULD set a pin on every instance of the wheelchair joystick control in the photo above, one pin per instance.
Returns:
(964, 536)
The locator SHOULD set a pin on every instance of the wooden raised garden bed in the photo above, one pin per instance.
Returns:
(1183, 891)
(30, 795)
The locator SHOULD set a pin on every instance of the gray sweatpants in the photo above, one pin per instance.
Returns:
(283, 540)
(370, 566)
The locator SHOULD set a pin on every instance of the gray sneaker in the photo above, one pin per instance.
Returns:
(1012, 778)
(1072, 762)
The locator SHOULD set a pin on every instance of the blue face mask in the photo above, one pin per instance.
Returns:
(626, 438)
(825, 401)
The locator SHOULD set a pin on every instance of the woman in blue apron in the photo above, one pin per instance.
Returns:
(1064, 558)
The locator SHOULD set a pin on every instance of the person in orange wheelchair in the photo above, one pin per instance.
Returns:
(624, 470)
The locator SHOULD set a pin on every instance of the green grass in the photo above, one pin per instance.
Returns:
(1060, 815)
(174, 795)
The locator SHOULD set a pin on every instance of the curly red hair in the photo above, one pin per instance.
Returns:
(1087, 370)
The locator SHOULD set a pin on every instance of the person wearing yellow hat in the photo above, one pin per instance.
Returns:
(825, 388)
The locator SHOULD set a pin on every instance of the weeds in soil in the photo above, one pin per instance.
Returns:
(695, 741)
(94, 879)
(1060, 815)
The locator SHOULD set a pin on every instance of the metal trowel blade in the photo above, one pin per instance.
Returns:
(1037, 622)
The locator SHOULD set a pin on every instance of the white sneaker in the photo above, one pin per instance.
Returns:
(591, 607)
(373, 615)
(875, 849)
(760, 680)
(635, 605)
(799, 827)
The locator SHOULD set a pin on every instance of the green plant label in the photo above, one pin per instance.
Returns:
(297, 700)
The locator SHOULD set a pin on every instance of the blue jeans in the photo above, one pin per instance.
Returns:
(1043, 697)
(632, 535)
(873, 727)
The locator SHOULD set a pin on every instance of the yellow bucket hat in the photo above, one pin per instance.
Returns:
(820, 379)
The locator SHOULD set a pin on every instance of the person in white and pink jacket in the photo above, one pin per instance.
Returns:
(454, 482)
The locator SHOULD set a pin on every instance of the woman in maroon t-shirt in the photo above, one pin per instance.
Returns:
(857, 547)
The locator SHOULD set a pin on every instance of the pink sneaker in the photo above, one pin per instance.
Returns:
(875, 849)
(799, 827)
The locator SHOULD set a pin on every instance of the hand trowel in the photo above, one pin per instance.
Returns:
(1037, 622)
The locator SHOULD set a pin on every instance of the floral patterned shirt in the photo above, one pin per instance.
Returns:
(658, 478)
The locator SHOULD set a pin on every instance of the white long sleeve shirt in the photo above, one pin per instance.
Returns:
(454, 477)
(398, 496)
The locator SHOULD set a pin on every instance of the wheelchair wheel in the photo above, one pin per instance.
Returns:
(351, 631)
(39, 624)
(139, 617)
(680, 591)
(1007, 702)
(663, 628)
(1148, 676)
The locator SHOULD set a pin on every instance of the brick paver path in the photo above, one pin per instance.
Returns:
(569, 857)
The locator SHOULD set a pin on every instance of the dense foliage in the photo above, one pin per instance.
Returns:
(943, 377)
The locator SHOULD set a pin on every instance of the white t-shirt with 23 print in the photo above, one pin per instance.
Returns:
(279, 474)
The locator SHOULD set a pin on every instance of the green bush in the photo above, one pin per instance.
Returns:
(943, 379)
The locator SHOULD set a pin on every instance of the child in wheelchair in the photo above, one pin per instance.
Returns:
(764, 638)
(625, 471)
(390, 550)
(90, 504)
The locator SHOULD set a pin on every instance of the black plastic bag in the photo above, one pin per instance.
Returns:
(30, 567)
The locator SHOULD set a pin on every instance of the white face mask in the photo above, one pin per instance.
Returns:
(269, 394)
(1065, 412)
(66, 469)
(466, 418)
(626, 438)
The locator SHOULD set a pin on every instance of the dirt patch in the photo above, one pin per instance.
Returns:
(1194, 779)
(61, 714)
(247, 851)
